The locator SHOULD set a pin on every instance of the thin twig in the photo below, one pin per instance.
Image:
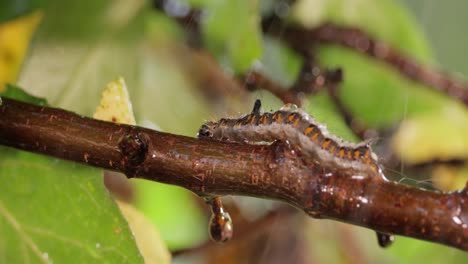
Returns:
(334, 80)
(255, 79)
(302, 39)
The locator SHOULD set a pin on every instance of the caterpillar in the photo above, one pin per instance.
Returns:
(305, 133)
(301, 130)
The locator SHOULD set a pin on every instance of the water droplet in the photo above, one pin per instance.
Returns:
(363, 200)
(357, 177)
(221, 227)
(457, 220)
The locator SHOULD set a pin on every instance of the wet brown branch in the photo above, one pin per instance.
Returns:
(209, 167)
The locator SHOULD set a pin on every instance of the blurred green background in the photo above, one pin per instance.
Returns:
(79, 46)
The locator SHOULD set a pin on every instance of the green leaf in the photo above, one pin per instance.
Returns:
(280, 62)
(80, 20)
(232, 27)
(52, 211)
(409, 250)
(17, 93)
(174, 211)
(376, 93)
(322, 108)
(13, 8)
(64, 66)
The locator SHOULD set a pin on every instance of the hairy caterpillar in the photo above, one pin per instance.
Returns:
(301, 130)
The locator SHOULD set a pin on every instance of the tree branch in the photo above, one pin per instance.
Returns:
(301, 38)
(209, 167)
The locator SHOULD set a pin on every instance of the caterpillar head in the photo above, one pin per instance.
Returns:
(206, 130)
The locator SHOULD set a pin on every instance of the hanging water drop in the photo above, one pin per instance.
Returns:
(220, 226)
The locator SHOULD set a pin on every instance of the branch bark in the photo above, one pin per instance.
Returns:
(209, 167)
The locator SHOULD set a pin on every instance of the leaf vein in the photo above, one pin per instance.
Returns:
(27, 239)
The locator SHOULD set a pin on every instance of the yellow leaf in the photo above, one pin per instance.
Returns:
(115, 104)
(447, 178)
(15, 36)
(441, 135)
(148, 240)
